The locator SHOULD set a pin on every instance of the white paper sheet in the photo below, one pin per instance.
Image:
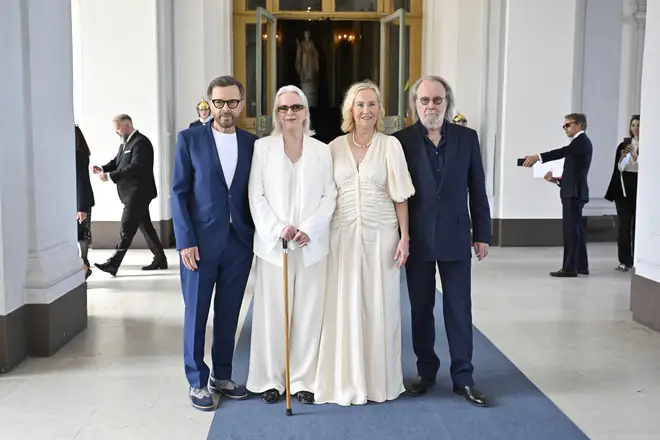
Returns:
(556, 166)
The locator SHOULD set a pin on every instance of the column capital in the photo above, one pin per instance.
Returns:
(640, 14)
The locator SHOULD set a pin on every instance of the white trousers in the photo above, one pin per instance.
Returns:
(306, 302)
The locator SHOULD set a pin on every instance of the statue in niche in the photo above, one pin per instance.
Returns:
(307, 66)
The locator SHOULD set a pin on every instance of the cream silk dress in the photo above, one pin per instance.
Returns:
(360, 351)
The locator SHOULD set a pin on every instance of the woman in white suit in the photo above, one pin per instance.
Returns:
(292, 196)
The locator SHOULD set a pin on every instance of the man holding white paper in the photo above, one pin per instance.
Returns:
(574, 192)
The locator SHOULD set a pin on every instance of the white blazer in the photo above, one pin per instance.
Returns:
(267, 196)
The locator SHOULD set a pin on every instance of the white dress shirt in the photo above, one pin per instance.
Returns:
(227, 146)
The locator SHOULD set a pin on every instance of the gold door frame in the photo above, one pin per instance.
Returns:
(243, 17)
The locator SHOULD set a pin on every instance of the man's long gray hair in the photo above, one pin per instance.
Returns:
(449, 96)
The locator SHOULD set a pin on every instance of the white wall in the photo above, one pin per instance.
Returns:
(537, 92)
(153, 63)
(454, 48)
(202, 50)
(116, 64)
(647, 239)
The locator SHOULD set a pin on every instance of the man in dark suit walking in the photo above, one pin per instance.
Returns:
(132, 170)
(214, 236)
(445, 164)
(574, 193)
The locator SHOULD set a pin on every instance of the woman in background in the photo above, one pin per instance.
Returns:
(623, 192)
(85, 198)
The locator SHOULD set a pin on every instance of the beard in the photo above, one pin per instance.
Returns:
(226, 123)
(432, 121)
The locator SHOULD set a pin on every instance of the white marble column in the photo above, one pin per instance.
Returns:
(42, 290)
(203, 50)
(645, 289)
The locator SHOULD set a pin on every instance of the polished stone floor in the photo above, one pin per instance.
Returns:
(123, 377)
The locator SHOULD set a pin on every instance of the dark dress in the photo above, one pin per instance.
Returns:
(85, 196)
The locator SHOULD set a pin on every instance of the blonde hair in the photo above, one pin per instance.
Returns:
(277, 125)
(348, 122)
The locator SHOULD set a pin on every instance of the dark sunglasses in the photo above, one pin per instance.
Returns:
(437, 100)
(568, 124)
(231, 103)
(285, 108)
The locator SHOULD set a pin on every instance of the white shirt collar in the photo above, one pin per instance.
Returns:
(577, 134)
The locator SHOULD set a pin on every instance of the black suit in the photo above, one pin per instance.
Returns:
(622, 190)
(84, 193)
(198, 123)
(133, 172)
(84, 197)
(444, 177)
(574, 193)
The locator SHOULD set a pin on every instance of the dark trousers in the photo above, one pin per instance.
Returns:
(228, 274)
(625, 211)
(457, 311)
(575, 236)
(136, 216)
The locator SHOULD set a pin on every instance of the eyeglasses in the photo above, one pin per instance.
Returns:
(568, 124)
(294, 108)
(231, 103)
(424, 100)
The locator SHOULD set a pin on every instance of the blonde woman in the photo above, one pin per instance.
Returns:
(360, 353)
(292, 197)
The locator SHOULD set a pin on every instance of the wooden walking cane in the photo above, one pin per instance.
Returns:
(285, 261)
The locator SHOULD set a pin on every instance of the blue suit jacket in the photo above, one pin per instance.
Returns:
(202, 202)
(439, 217)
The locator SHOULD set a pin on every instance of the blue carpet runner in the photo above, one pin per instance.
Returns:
(519, 410)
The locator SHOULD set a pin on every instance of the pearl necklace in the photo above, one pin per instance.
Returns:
(363, 146)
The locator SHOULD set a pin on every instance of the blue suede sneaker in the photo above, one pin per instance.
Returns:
(201, 399)
(228, 388)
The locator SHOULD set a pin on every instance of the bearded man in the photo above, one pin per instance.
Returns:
(444, 161)
(214, 234)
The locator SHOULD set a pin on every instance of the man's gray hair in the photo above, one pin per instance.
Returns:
(122, 118)
(449, 96)
(307, 124)
(225, 81)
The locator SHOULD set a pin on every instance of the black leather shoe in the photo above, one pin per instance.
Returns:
(472, 395)
(156, 264)
(561, 273)
(270, 396)
(107, 268)
(305, 397)
(420, 386)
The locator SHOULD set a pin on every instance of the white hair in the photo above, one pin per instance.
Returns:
(277, 126)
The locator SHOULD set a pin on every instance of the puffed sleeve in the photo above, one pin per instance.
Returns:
(399, 182)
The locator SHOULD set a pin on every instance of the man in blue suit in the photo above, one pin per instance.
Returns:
(444, 160)
(214, 232)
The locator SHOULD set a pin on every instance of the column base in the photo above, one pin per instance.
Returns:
(106, 234)
(645, 301)
(537, 232)
(40, 330)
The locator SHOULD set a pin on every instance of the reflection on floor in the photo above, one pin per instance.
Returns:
(123, 378)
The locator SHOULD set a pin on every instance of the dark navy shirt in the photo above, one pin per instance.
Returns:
(436, 155)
